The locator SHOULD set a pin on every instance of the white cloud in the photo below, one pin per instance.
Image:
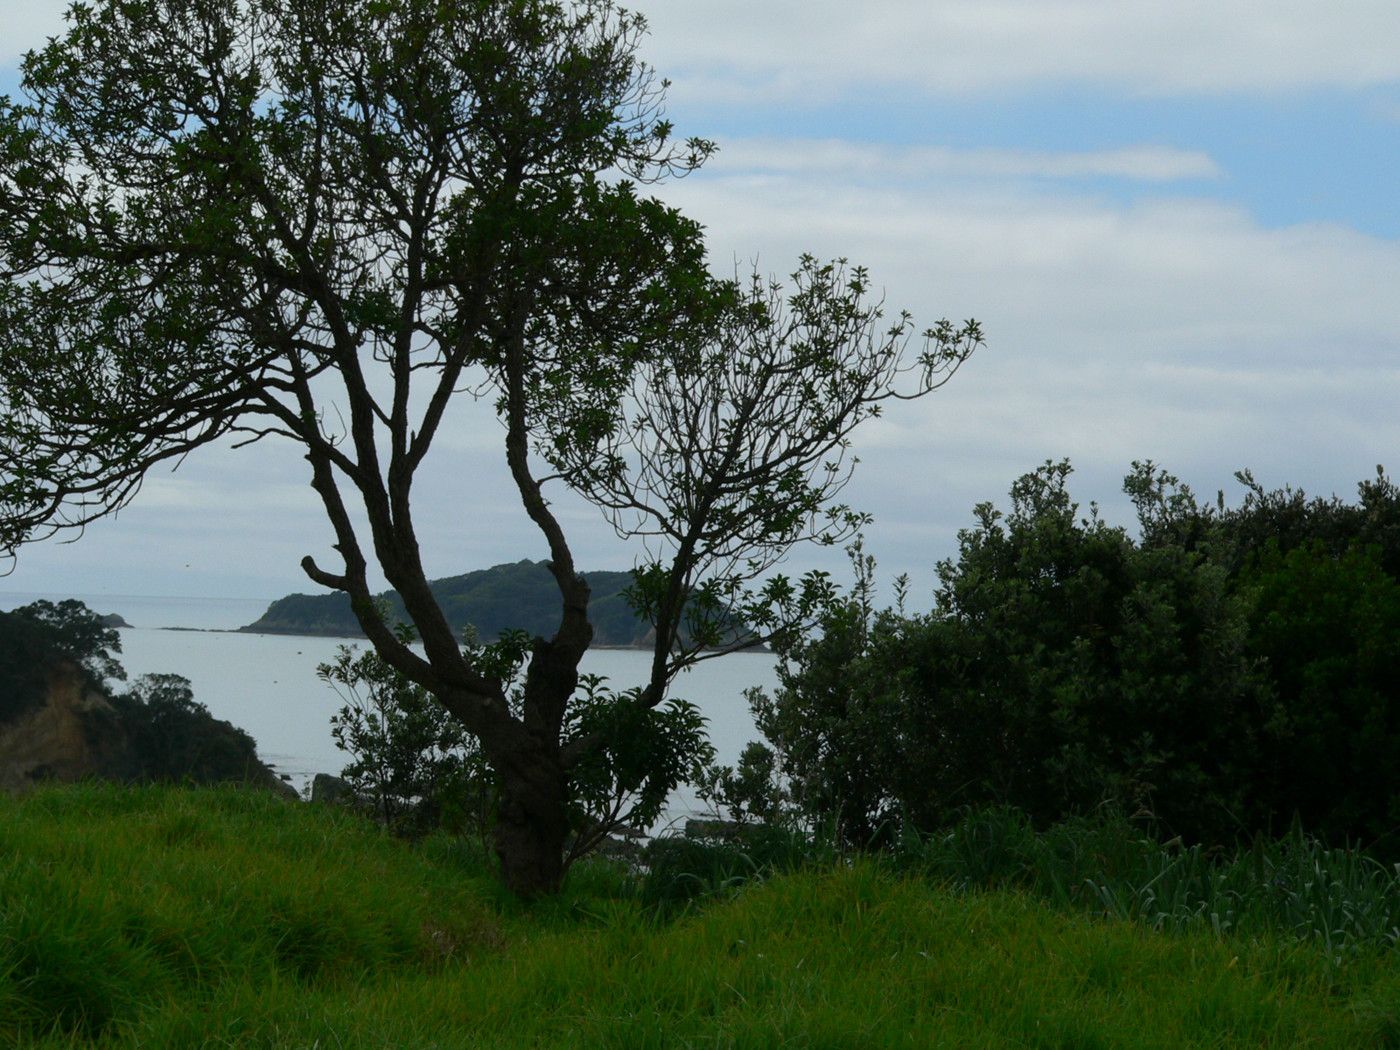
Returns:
(835, 157)
(1177, 329)
(815, 50)
(818, 49)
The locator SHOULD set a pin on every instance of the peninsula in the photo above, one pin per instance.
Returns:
(519, 595)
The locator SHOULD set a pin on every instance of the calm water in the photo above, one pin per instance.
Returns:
(267, 684)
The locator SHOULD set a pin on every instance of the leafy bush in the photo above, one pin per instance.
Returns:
(419, 769)
(1228, 672)
(646, 753)
(410, 760)
(1328, 628)
(749, 792)
(34, 636)
(174, 738)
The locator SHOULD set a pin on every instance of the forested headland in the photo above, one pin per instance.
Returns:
(515, 596)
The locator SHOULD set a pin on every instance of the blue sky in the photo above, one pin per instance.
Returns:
(1176, 221)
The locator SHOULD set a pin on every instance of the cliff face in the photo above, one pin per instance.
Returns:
(74, 734)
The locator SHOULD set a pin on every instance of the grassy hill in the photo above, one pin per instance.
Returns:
(520, 595)
(181, 917)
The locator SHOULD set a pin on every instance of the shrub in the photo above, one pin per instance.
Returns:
(1328, 628)
(34, 636)
(409, 759)
(419, 769)
(173, 738)
(1226, 673)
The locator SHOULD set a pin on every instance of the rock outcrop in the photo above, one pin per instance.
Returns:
(76, 731)
(74, 734)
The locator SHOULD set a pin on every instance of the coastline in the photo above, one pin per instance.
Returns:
(760, 648)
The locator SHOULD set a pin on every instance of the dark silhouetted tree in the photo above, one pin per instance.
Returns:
(324, 223)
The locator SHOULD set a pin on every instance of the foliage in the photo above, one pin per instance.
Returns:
(25, 652)
(174, 738)
(284, 221)
(748, 792)
(76, 633)
(156, 730)
(413, 763)
(1063, 666)
(1218, 675)
(419, 769)
(1328, 628)
(33, 636)
(644, 754)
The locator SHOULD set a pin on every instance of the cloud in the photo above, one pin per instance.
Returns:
(817, 50)
(1173, 328)
(1169, 326)
(835, 157)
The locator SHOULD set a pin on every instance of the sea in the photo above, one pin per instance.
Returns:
(266, 684)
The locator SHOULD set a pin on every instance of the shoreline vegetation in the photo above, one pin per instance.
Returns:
(125, 929)
(515, 596)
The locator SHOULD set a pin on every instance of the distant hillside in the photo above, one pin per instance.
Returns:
(520, 595)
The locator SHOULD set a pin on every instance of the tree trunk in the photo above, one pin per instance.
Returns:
(532, 825)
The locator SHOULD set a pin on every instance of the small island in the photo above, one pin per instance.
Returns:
(519, 595)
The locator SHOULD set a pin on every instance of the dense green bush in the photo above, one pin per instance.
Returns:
(34, 636)
(1227, 671)
(418, 769)
(411, 761)
(154, 730)
(1328, 629)
(174, 738)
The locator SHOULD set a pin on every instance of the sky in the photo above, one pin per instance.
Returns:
(1175, 221)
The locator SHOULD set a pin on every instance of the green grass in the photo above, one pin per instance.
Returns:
(158, 917)
(1343, 901)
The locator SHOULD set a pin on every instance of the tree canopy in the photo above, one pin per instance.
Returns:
(1226, 672)
(332, 224)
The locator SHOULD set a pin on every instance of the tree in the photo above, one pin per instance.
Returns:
(1064, 666)
(323, 222)
(34, 636)
(1229, 672)
(174, 738)
(73, 631)
(1327, 626)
